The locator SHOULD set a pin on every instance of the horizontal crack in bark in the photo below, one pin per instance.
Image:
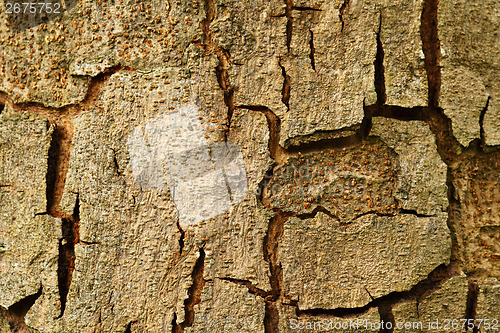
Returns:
(251, 288)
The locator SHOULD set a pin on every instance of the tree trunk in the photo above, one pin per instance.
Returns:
(249, 166)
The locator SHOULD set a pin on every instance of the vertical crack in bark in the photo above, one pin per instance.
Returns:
(66, 261)
(289, 23)
(439, 123)
(57, 168)
(277, 152)
(431, 49)
(386, 315)
(312, 49)
(175, 326)
(224, 58)
(182, 237)
(379, 69)
(58, 164)
(16, 312)
(225, 85)
(453, 210)
(129, 327)
(481, 122)
(271, 318)
(194, 295)
(178, 223)
(2, 106)
(270, 251)
(285, 91)
(470, 310)
(341, 13)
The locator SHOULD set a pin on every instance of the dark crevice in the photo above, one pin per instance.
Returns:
(16, 312)
(399, 211)
(66, 261)
(116, 165)
(62, 135)
(93, 90)
(366, 123)
(277, 152)
(397, 112)
(481, 122)
(431, 49)
(325, 144)
(285, 91)
(251, 288)
(369, 294)
(447, 145)
(470, 310)
(330, 313)
(225, 85)
(425, 287)
(271, 318)
(305, 8)
(2, 106)
(270, 252)
(57, 168)
(289, 23)
(194, 294)
(379, 69)
(97, 81)
(129, 327)
(439, 123)
(341, 13)
(414, 212)
(262, 186)
(174, 324)
(88, 243)
(312, 49)
(386, 316)
(182, 237)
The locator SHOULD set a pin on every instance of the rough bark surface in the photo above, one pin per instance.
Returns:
(249, 166)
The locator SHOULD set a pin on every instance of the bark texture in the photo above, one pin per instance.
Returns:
(248, 166)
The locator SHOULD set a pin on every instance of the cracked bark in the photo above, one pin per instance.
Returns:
(311, 46)
(285, 92)
(16, 312)
(448, 147)
(481, 122)
(342, 9)
(431, 49)
(471, 306)
(67, 257)
(289, 23)
(194, 293)
(224, 62)
(379, 68)
(251, 288)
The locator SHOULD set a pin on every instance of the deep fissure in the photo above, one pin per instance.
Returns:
(312, 49)
(342, 9)
(194, 294)
(16, 313)
(66, 260)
